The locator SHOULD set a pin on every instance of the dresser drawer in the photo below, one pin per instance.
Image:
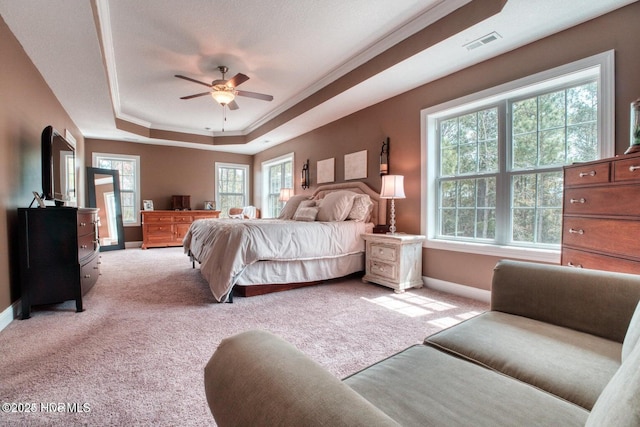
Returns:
(611, 236)
(584, 259)
(383, 252)
(168, 218)
(183, 219)
(87, 245)
(611, 200)
(86, 223)
(382, 269)
(626, 170)
(89, 273)
(597, 173)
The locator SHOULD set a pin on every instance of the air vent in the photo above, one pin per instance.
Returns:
(482, 41)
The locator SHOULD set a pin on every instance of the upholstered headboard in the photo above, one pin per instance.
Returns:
(379, 212)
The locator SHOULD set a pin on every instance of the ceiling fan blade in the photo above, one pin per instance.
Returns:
(192, 80)
(255, 95)
(195, 96)
(233, 105)
(237, 80)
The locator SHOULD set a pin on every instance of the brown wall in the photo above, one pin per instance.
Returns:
(27, 106)
(399, 118)
(167, 171)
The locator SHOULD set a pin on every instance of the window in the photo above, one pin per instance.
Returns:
(232, 187)
(495, 159)
(276, 174)
(128, 168)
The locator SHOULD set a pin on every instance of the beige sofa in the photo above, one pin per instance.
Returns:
(559, 347)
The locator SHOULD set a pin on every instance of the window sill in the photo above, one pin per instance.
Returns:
(526, 254)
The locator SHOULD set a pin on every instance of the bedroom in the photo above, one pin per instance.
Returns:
(28, 105)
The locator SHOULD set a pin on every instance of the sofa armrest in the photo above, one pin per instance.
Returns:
(255, 378)
(592, 301)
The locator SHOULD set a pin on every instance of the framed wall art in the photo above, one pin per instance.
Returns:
(326, 170)
(355, 165)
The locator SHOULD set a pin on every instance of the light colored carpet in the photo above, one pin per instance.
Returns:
(136, 355)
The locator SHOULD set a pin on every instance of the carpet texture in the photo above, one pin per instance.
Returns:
(136, 355)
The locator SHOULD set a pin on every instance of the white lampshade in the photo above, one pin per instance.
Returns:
(285, 194)
(223, 96)
(392, 187)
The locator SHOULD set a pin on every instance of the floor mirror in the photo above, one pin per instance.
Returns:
(104, 193)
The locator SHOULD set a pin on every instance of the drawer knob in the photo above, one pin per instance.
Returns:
(570, 264)
(590, 173)
(576, 231)
(633, 168)
(580, 200)
(83, 246)
(87, 276)
(82, 224)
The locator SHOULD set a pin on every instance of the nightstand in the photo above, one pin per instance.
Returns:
(394, 260)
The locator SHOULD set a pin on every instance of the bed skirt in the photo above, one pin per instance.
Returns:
(282, 272)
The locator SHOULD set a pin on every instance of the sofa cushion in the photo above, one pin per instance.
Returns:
(423, 386)
(575, 298)
(573, 365)
(633, 334)
(618, 406)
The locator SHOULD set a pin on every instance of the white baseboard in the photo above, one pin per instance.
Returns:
(10, 313)
(456, 289)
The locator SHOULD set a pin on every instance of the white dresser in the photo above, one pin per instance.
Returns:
(394, 260)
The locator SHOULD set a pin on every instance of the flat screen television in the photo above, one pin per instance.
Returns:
(58, 168)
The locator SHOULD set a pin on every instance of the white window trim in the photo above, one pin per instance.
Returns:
(606, 134)
(265, 178)
(247, 191)
(138, 202)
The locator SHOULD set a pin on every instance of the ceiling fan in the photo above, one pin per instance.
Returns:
(224, 91)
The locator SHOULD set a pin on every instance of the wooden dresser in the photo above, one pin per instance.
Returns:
(168, 228)
(58, 252)
(601, 217)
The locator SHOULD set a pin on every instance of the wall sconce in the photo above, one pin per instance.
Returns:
(304, 181)
(384, 158)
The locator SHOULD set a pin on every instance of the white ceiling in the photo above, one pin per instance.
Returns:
(288, 48)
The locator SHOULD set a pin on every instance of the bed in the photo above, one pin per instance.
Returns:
(309, 243)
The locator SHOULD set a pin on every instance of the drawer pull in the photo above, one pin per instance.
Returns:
(82, 224)
(570, 264)
(87, 276)
(83, 246)
(580, 200)
(633, 168)
(576, 231)
(590, 173)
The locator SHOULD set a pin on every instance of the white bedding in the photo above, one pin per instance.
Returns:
(225, 247)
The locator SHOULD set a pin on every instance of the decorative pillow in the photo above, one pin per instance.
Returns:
(290, 207)
(335, 206)
(307, 204)
(632, 337)
(617, 405)
(361, 209)
(306, 213)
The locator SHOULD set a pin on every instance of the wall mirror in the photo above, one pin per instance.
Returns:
(104, 193)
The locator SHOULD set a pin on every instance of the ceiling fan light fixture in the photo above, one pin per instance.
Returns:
(223, 96)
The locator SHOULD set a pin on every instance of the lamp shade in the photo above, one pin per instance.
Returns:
(392, 187)
(285, 194)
